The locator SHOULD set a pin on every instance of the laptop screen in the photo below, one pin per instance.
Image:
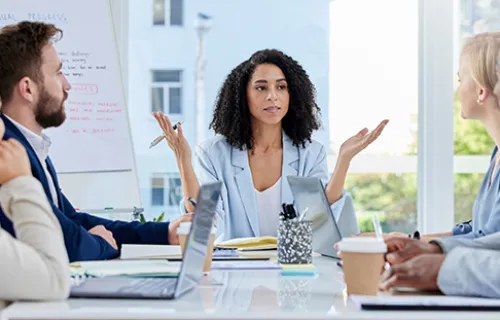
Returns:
(309, 194)
(197, 241)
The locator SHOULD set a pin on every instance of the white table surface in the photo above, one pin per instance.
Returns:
(242, 295)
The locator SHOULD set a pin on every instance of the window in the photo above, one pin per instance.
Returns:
(157, 99)
(363, 63)
(167, 87)
(173, 194)
(158, 12)
(175, 12)
(157, 191)
(390, 196)
(174, 190)
(174, 100)
(472, 144)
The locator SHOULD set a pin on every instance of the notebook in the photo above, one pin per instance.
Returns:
(384, 302)
(250, 244)
(124, 268)
(146, 251)
(245, 265)
(258, 254)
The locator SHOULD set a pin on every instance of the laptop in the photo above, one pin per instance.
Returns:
(309, 192)
(163, 288)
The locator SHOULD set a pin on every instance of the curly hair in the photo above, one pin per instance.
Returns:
(232, 115)
(21, 53)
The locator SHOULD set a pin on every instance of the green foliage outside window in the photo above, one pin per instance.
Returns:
(393, 197)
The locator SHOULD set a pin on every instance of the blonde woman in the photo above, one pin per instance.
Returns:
(35, 265)
(457, 265)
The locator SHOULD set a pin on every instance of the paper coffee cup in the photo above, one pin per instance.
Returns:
(183, 232)
(363, 262)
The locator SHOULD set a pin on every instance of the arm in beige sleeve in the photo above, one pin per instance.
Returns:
(35, 265)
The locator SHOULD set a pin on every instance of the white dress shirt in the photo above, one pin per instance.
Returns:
(41, 145)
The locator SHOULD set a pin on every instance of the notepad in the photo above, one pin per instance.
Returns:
(298, 270)
(141, 251)
(244, 244)
(132, 268)
(256, 254)
(383, 302)
(245, 265)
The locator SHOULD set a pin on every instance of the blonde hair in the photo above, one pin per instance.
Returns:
(483, 54)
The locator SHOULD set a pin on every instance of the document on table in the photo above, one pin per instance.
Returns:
(245, 265)
(129, 268)
(146, 251)
(246, 244)
(386, 302)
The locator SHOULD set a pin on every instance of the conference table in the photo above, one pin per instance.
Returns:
(237, 294)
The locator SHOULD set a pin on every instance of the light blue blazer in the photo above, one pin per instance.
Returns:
(236, 213)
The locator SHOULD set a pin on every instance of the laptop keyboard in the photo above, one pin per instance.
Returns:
(151, 287)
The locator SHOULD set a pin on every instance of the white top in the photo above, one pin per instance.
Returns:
(268, 209)
(41, 145)
(35, 265)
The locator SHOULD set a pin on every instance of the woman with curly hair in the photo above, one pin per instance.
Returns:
(264, 118)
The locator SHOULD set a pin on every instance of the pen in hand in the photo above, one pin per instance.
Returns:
(160, 138)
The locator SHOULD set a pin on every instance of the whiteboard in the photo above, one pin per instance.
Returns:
(92, 151)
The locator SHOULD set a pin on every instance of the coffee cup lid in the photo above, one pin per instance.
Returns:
(362, 245)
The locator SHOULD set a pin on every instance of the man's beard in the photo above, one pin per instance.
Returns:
(49, 111)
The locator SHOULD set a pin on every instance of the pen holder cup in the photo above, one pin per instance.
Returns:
(295, 242)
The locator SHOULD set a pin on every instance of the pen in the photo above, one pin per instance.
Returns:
(303, 214)
(377, 227)
(291, 211)
(283, 206)
(160, 138)
(285, 212)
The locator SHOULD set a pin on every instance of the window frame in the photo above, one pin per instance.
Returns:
(154, 187)
(169, 177)
(435, 163)
(166, 86)
(164, 21)
(169, 19)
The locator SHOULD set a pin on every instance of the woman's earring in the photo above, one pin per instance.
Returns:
(479, 102)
